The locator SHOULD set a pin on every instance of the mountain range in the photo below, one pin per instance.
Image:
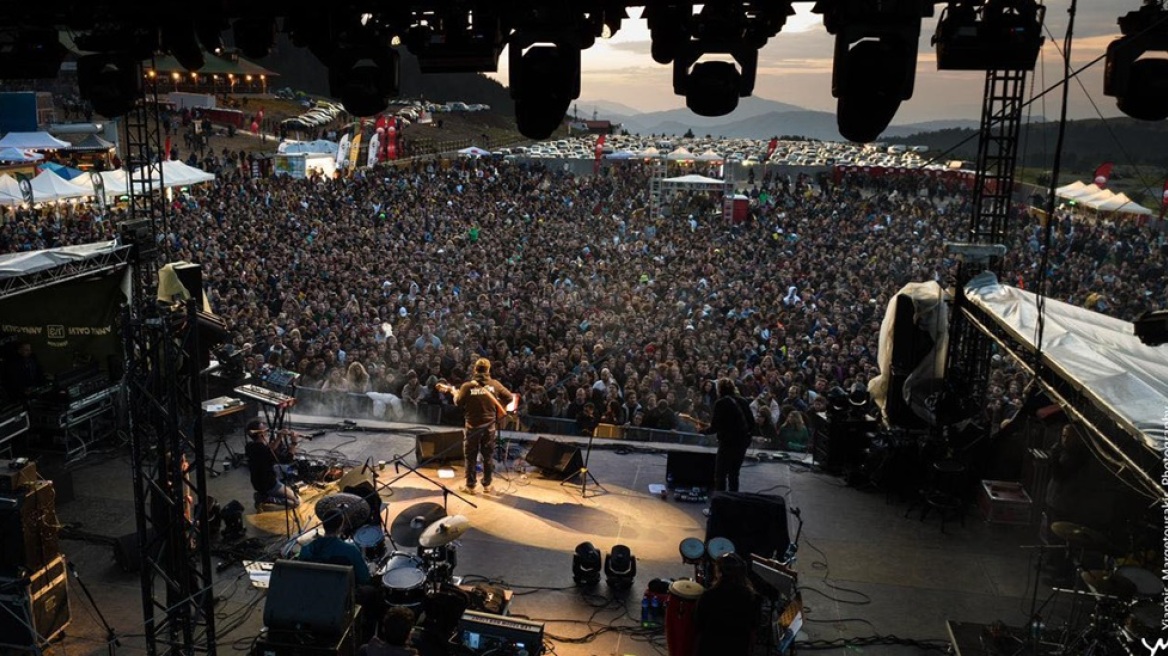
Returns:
(755, 118)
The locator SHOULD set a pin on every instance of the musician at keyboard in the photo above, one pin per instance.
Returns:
(267, 472)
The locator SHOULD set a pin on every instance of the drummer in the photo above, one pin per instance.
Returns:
(331, 549)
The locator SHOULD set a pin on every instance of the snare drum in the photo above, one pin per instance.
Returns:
(400, 560)
(371, 539)
(692, 550)
(404, 586)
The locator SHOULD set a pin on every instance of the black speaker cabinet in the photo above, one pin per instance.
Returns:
(43, 603)
(755, 523)
(281, 643)
(438, 447)
(28, 529)
(555, 458)
(690, 469)
(310, 597)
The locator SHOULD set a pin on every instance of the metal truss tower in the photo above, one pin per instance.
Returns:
(968, 361)
(164, 416)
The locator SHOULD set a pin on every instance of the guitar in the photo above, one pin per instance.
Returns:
(698, 423)
(500, 410)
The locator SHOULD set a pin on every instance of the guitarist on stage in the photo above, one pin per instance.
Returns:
(482, 400)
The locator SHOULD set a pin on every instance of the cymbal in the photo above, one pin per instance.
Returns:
(1107, 583)
(408, 526)
(444, 531)
(353, 507)
(1081, 536)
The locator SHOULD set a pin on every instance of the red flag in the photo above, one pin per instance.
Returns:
(1164, 200)
(599, 152)
(1103, 174)
(774, 144)
(166, 155)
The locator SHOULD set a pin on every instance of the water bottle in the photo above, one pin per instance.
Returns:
(645, 611)
(655, 611)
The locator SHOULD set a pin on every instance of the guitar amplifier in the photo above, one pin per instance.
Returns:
(42, 603)
(28, 529)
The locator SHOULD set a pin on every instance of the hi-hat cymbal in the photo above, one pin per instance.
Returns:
(408, 526)
(1081, 536)
(444, 531)
(1107, 583)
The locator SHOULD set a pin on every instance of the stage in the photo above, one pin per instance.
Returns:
(865, 569)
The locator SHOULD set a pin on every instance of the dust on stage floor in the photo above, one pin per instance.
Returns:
(864, 568)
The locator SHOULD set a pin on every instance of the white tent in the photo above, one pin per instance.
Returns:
(709, 156)
(650, 152)
(1095, 199)
(1082, 191)
(694, 179)
(474, 151)
(49, 186)
(10, 154)
(33, 141)
(179, 174)
(1067, 190)
(1099, 356)
(680, 154)
(10, 191)
(1121, 204)
(320, 146)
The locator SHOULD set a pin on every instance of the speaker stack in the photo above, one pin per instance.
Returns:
(33, 585)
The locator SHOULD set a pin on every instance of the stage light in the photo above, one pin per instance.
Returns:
(178, 37)
(1000, 35)
(254, 36)
(620, 568)
(451, 40)
(1140, 86)
(544, 80)
(586, 564)
(364, 78)
(111, 83)
(667, 29)
(27, 53)
(1152, 327)
(875, 62)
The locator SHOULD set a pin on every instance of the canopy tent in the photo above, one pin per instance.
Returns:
(1082, 191)
(680, 154)
(48, 187)
(65, 172)
(1065, 191)
(1121, 204)
(319, 147)
(1103, 372)
(92, 142)
(32, 141)
(694, 179)
(179, 174)
(474, 151)
(1101, 200)
(621, 154)
(10, 154)
(650, 152)
(709, 156)
(10, 191)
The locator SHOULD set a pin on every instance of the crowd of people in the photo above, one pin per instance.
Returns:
(397, 279)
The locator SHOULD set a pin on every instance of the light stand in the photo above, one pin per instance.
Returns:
(111, 636)
(584, 473)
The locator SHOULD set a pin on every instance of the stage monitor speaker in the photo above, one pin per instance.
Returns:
(327, 611)
(690, 469)
(28, 529)
(438, 447)
(755, 523)
(555, 457)
(40, 604)
(191, 277)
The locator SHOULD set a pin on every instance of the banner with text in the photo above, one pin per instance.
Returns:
(66, 324)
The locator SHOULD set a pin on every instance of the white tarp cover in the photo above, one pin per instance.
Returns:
(694, 179)
(10, 154)
(1121, 204)
(931, 315)
(1082, 191)
(33, 141)
(474, 151)
(1065, 190)
(1099, 354)
(17, 264)
(319, 147)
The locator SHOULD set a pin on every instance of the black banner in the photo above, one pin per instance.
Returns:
(66, 324)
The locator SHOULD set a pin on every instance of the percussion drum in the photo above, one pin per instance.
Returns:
(717, 547)
(692, 550)
(371, 540)
(680, 629)
(401, 560)
(404, 586)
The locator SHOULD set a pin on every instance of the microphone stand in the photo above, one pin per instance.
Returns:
(111, 636)
(399, 462)
(584, 473)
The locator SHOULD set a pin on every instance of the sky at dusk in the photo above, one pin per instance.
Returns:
(795, 67)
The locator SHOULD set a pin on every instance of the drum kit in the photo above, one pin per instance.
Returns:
(703, 555)
(1125, 611)
(418, 555)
